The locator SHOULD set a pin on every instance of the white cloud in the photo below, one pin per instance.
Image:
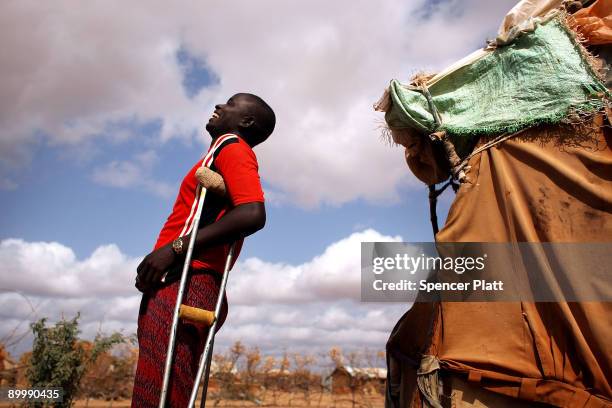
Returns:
(320, 64)
(334, 275)
(305, 307)
(137, 173)
(52, 269)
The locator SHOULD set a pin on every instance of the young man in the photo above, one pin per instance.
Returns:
(235, 127)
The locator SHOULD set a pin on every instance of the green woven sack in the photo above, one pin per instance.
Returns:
(539, 78)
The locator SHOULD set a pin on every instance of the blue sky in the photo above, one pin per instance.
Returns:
(84, 215)
(100, 122)
(57, 201)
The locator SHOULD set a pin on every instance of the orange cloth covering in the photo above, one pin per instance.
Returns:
(595, 22)
(542, 187)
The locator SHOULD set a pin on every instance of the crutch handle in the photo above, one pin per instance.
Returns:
(197, 315)
(211, 180)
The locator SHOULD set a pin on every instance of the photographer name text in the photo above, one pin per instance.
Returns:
(424, 285)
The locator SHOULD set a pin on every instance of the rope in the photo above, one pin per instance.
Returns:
(432, 107)
(457, 168)
(433, 202)
(441, 136)
(434, 193)
(487, 146)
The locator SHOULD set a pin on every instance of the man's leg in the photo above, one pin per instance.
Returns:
(154, 322)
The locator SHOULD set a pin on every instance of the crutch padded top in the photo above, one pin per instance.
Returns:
(211, 180)
(197, 315)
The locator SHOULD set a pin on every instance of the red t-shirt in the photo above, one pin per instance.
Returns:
(234, 159)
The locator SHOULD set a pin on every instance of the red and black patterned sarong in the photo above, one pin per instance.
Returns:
(154, 323)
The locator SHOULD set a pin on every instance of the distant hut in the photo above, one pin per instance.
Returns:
(347, 379)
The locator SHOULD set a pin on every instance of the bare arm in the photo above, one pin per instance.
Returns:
(241, 221)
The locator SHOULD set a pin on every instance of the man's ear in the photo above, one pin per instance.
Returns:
(247, 122)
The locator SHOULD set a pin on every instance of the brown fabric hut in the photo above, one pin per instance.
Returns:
(553, 184)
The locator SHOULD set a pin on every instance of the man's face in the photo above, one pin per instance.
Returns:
(230, 116)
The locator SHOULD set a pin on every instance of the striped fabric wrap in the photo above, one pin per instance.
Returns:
(154, 321)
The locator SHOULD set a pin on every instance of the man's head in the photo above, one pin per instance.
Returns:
(245, 114)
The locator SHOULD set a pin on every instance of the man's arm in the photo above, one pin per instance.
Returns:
(239, 222)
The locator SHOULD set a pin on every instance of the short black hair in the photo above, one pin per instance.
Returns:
(265, 120)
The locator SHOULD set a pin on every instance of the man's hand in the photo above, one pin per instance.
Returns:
(239, 222)
(153, 267)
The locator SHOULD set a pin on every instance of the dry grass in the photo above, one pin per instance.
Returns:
(316, 400)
